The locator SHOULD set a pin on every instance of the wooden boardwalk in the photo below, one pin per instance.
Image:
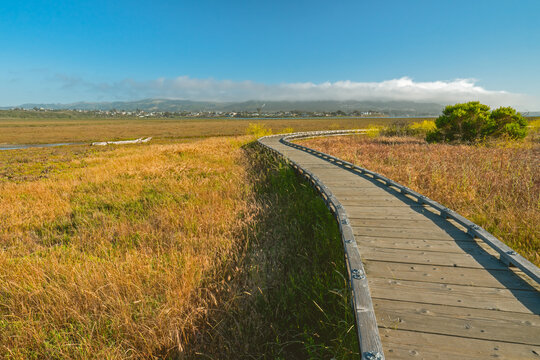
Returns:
(437, 292)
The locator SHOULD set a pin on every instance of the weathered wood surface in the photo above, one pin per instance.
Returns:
(437, 292)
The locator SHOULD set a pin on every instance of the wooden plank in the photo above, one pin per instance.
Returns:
(352, 182)
(351, 200)
(422, 223)
(380, 196)
(474, 259)
(379, 200)
(339, 179)
(368, 215)
(306, 162)
(459, 247)
(403, 344)
(502, 279)
(356, 199)
(351, 192)
(450, 320)
(347, 189)
(342, 175)
(434, 233)
(367, 329)
(456, 295)
(403, 213)
(314, 168)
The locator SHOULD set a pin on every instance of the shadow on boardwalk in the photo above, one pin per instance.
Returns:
(525, 293)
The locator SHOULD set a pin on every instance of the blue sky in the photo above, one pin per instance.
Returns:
(443, 51)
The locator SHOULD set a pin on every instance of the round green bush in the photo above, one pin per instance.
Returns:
(473, 121)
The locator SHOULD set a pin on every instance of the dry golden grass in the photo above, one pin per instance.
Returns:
(164, 249)
(203, 248)
(107, 253)
(15, 130)
(497, 187)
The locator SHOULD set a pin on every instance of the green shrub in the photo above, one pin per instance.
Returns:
(473, 121)
(461, 122)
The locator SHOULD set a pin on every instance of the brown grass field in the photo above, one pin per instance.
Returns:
(31, 130)
(173, 249)
(202, 247)
(496, 186)
(105, 252)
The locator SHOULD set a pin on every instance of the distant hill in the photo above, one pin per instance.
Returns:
(397, 108)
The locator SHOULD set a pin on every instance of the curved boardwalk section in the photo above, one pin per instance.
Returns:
(437, 292)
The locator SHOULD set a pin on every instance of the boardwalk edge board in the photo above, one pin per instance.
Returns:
(366, 324)
(362, 306)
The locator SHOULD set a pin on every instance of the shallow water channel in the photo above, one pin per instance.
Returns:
(27, 146)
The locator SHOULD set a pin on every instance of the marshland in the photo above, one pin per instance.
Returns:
(197, 244)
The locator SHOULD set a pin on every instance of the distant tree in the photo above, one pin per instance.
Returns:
(472, 121)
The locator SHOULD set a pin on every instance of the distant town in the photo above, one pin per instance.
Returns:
(211, 114)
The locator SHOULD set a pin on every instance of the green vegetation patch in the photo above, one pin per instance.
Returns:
(294, 301)
(473, 121)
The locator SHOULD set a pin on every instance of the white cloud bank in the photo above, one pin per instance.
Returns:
(184, 87)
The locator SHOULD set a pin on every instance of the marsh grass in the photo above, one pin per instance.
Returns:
(51, 129)
(172, 250)
(496, 186)
(293, 301)
(108, 255)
